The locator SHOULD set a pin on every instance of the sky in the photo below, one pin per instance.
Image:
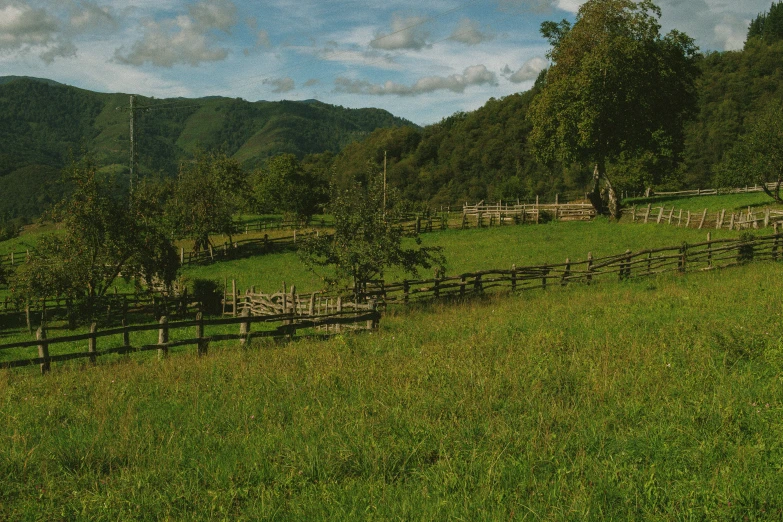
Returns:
(419, 60)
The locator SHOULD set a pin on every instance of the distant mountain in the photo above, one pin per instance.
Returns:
(43, 123)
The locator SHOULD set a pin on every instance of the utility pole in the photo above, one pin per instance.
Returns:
(132, 112)
(384, 185)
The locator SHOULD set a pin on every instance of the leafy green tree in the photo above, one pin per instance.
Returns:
(757, 157)
(768, 26)
(103, 238)
(206, 195)
(288, 187)
(367, 240)
(615, 87)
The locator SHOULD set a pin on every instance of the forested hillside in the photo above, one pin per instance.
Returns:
(43, 123)
(485, 155)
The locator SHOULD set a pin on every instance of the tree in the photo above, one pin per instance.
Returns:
(615, 87)
(768, 26)
(207, 194)
(367, 239)
(286, 186)
(104, 238)
(757, 157)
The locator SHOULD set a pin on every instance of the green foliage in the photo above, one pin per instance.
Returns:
(757, 157)
(589, 109)
(103, 239)
(366, 241)
(768, 26)
(206, 195)
(288, 187)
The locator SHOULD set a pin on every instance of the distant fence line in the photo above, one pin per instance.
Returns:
(719, 220)
(712, 192)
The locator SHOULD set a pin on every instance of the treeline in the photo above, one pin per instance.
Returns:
(484, 155)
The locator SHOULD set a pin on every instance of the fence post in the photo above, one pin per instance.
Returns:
(660, 215)
(647, 214)
(566, 272)
(589, 277)
(633, 214)
(339, 311)
(405, 290)
(775, 242)
(93, 342)
(683, 257)
(202, 343)
(766, 217)
(703, 217)
(513, 278)
(43, 350)
(731, 224)
(125, 336)
(244, 327)
(478, 286)
(234, 295)
(462, 282)
(372, 322)
(436, 289)
(163, 337)
(182, 256)
(709, 249)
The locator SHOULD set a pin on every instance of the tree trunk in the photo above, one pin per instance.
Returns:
(595, 195)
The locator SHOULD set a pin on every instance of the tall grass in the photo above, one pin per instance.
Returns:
(656, 399)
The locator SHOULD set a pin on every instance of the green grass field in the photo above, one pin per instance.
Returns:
(651, 399)
(655, 399)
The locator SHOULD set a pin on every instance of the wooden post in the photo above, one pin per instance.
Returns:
(27, 316)
(566, 273)
(371, 323)
(406, 287)
(203, 344)
(339, 311)
(163, 337)
(234, 295)
(311, 308)
(589, 276)
(731, 223)
(660, 215)
(125, 336)
(244, 327)
(703, 217)
(683, 258)
(679, 219)
(671, 213)
(478, 285)
(709, 249)
(182, 256)
(462, 282)
(766, 217)
(647, 214)
(688, 222)
(43, 350)
(92, 343)
(513, 278)
(633, 214)
(775, 242)
(436, 288)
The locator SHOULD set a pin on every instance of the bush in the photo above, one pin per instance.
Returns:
(210, 294)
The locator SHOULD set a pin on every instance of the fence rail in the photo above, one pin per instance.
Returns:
(720, 219)
(289, 324)
(713, 191)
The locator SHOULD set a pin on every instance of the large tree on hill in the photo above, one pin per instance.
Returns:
(757, 157)
(616, 88)
(287, 186)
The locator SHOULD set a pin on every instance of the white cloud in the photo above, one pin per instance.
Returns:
(529, 71)
(474, 75)
(88, 16)
(187, 39)
(25, 29)
(468, 32)
(406, 33)
(281, 85)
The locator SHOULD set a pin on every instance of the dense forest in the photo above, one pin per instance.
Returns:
(44, 124)
(480, 155)
(485, 155)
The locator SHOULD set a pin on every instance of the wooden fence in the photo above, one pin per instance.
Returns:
(500, 213)
(287, 326)
(713, 191)
(720, 219)
(709, 255)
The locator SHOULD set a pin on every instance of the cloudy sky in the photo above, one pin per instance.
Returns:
(420, 60)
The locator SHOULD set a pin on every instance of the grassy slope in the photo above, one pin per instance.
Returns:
(657, 399)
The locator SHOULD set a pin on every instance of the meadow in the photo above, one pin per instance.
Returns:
(655, 399)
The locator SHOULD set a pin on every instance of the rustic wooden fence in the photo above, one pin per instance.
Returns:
(245, 247)
(284, 325)
(712, 192)
(721, 219)
(709, 255)
(500, 214)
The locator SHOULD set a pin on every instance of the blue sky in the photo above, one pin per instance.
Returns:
(419, 60)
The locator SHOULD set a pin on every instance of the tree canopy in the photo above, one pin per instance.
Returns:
(768, 26)
(616, 89)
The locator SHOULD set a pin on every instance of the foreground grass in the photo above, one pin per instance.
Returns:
(656, 399)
